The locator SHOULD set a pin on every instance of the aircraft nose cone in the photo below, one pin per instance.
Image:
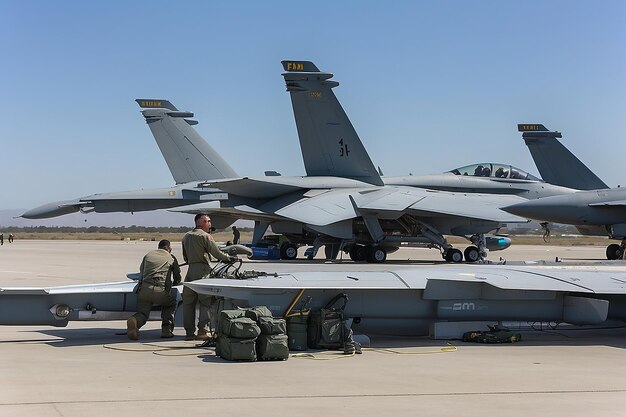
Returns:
(58, 208)
(532, 209)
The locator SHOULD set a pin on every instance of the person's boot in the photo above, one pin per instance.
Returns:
(166, 332)
(203, 335)
(132, 329)
(190, 336)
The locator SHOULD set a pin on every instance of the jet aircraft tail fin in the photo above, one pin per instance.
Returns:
(188, 156)
(329, 143)
(556, 164)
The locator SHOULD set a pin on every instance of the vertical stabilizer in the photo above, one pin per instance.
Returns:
(556, 164)
(188, 156)
(330, 145)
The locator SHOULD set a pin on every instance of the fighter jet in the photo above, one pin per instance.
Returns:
(309, 210)
(599, 211)
(331, 146)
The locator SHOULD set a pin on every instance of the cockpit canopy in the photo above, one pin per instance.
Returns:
(494, 171)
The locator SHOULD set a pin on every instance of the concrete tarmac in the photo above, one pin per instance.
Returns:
(91, 368)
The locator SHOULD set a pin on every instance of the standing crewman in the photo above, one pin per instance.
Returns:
(1, 238)
(236, 235)
(11, 238)
(198, 246)
(157, 269)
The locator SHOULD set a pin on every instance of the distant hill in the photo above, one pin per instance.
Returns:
(158, 218)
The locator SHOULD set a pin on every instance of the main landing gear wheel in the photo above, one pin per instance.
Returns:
(614, 251)
(454, 255)
(471, 254)
(357, 253)
(288, 251)
(376, 254)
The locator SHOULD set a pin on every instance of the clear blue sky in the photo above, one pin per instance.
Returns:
(429, 86)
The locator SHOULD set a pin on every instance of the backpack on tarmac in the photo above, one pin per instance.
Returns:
(326, 329)
(297, 331)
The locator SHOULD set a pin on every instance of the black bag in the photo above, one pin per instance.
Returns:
(272, 347)
(270, 325)
(326, 328)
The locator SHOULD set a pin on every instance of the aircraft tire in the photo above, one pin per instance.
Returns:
(614, 251)
(377, 255)
(454, 255)
(357, 253)
(288, 251)
(471, 254)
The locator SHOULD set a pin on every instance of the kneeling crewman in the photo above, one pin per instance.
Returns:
(157, 269)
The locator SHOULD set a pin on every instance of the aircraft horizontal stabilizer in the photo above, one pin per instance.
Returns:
(151, 103)
(299, 66)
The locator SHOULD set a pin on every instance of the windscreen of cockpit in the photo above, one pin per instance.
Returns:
(494, 171)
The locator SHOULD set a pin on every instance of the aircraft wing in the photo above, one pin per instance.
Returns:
(579, 279)
(617, 203)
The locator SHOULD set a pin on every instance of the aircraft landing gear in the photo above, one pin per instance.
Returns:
(615, 251)
(453, 255)
(375, 254)
(288, 251)
(481, 247)
(331, 250)
(357, 253)
(471, 254)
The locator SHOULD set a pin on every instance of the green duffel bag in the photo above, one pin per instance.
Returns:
(233, 349)
(297, 332)
(271, 325)
(240, 328)
(272, 347)
(226, 316)
(255, 313)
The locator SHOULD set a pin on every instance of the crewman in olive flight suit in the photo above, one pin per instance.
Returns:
(198, 246)
(157, 269)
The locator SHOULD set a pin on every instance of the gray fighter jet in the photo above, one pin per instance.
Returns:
(331, 146)
(309, 210)
(599, 211)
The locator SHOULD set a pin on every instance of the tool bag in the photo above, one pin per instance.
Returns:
(271, 325)
(241, 328)
(326, 328)
(272, 347)
(297, 331)
(233, 349)
(255, 313)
